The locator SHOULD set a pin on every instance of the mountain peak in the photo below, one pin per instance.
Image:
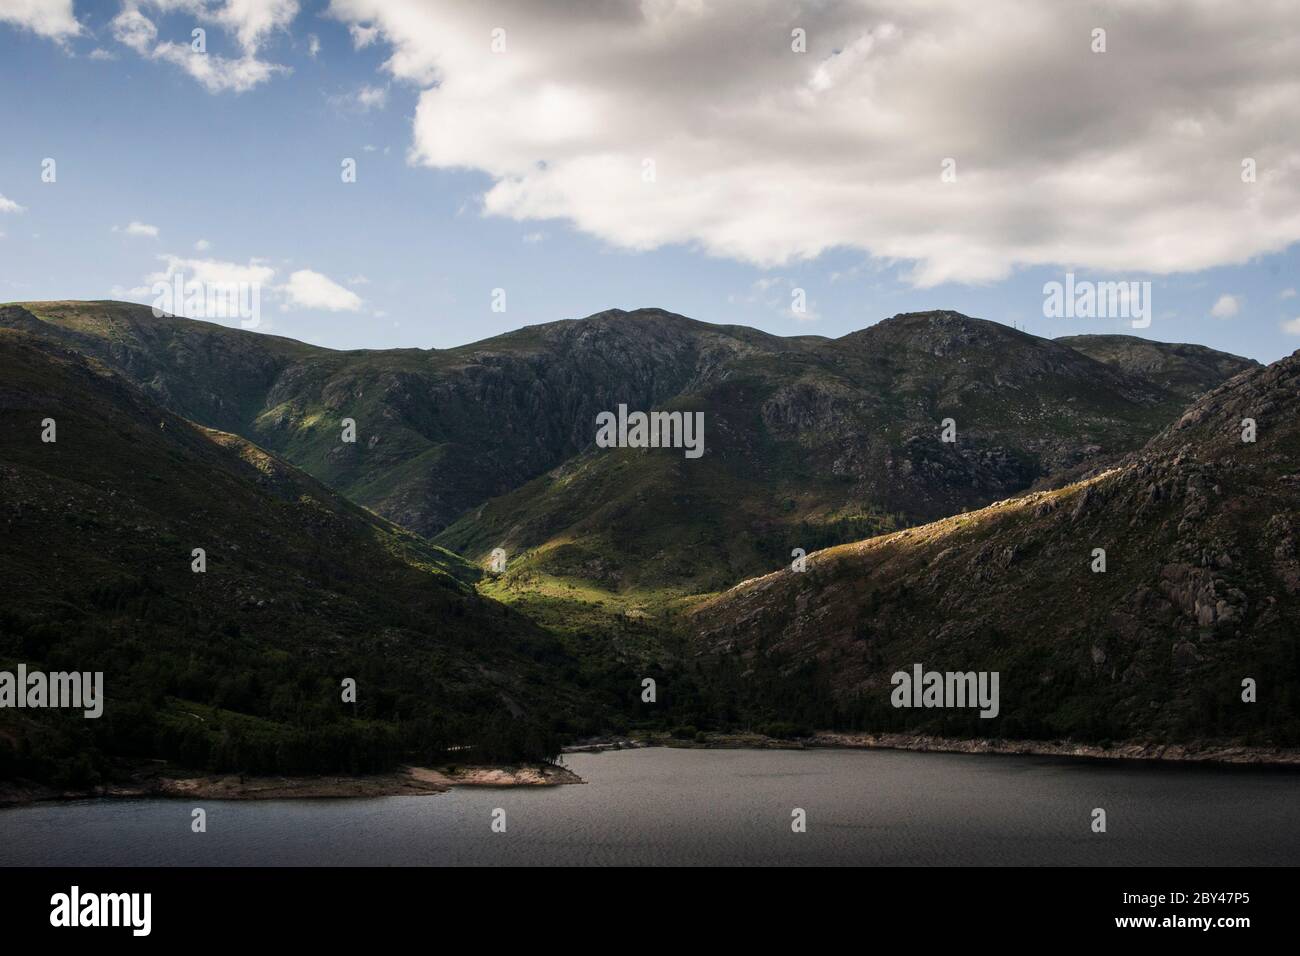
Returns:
(931, 315)
(639, 314)
(939, 332)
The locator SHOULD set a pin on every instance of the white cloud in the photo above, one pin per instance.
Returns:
(1286, 294)
(251, 20)
(1226, 306)
(362, 100)
(1127, 161)
(372, 97)
(134, 228)
(363, 36)
(313, 45)
(1291, 326)
(202, 245)
(8, 205)
(218, 74)
(534, 237)
(304, 289)
(248, 21)
(134, 29)
(779, 296)
(99, 53)
(311, 290)
(211, 272)
(52, 19)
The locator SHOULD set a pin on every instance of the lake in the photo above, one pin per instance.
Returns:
(667, 806)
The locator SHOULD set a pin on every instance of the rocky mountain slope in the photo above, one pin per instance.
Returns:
(1200, 592)
(825, 442)
(1185, 370)
(240, 666)
(808, 441)
(438, 431)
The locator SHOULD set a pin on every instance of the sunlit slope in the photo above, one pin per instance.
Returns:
(808, 441)
(828, 441)
(1201, 590)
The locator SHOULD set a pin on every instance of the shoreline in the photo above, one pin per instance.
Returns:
(1228, 754)
(1221, 754)
(406, 781)
(428, 781)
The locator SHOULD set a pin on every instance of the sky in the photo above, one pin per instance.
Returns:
(800, 167)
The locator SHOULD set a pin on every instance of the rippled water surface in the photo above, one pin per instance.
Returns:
(664, 806)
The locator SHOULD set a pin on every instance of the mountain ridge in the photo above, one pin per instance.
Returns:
(1199, 592)
(840, 437)
(832, 436)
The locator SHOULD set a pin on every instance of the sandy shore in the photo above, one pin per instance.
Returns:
(409, 781)
(1120, 751)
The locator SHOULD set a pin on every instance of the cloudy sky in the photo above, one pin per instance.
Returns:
(709, 157)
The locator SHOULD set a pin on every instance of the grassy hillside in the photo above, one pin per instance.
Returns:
(206, 372)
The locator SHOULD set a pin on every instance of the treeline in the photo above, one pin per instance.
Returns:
(218, 697)
(67, 751)
(771, 693)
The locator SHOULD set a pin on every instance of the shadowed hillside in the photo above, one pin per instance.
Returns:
(1201, 590)
(238, 667)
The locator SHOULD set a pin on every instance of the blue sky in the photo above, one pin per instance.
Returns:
(410, 253)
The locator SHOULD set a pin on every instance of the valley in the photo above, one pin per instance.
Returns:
(374, 559)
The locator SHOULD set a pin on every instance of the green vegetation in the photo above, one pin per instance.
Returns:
(240, 666)
(620, 561)
(1199, 594)
(814, 443)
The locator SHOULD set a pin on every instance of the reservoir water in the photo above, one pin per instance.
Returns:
(667, 806)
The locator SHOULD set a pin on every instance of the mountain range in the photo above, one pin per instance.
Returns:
(947, 478)
(810, 441)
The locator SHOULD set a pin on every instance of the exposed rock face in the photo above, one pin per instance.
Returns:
(811, 442)
(1199, 592)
